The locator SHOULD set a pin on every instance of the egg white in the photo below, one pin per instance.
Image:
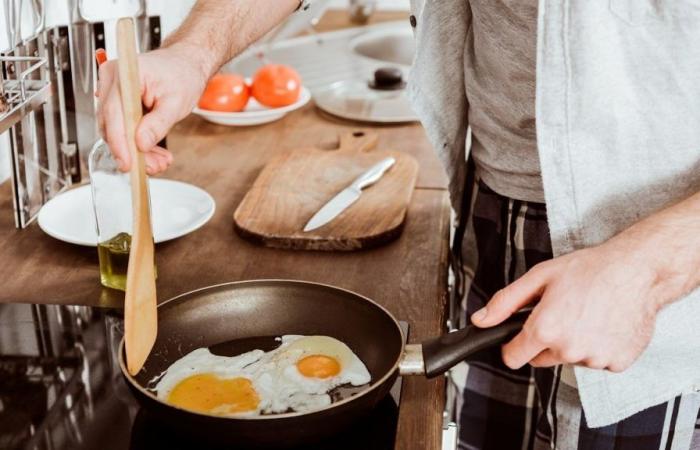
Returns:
(201, 361)
(294, 348)
(274, 374)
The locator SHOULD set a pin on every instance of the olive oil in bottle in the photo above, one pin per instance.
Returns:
(111, 200)
(114, 260)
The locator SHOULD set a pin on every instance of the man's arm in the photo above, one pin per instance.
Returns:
(597, 306)
(217, 30)
(174, 76)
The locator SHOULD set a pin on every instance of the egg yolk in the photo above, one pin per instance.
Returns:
(211, 394)
(318, 366)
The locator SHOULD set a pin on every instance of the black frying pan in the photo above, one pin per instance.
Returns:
(236, 312)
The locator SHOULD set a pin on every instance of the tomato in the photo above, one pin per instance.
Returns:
(276, 85)
(225, 92)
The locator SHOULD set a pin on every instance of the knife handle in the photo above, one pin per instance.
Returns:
(373, 174)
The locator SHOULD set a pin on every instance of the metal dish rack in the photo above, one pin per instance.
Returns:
(23, 95)
(47, 103)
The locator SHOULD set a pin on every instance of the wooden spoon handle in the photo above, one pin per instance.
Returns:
(140, 315)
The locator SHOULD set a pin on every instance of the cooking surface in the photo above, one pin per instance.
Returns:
(58, 377)
(375, 432)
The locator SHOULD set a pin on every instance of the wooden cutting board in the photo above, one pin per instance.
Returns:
(294, 185)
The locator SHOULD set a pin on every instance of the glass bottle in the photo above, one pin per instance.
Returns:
(111, 199)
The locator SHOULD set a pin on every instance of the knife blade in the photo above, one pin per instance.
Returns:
(349, 195)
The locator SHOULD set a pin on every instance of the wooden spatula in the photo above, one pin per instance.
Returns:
(140, 316)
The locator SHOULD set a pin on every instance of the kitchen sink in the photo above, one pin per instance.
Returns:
(395, 45)
(324, 58)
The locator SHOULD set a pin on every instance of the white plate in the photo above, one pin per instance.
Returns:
(254, 113)
(177, 209)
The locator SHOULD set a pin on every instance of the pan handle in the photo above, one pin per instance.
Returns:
(441, 353)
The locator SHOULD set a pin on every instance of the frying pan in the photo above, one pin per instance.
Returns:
(236, 312)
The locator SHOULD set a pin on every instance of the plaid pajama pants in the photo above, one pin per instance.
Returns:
(531, 409)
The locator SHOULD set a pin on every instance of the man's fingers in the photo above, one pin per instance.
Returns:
(109, 114)
(111, 123)
(594, 363)
(114, 132)
(107, 76)
(154, 126)
(157, 160)
(510, 299)
(546, 358)
(167, 154)
(521, 350)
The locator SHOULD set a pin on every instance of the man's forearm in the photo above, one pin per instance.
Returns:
(669, 241)
(217, 30)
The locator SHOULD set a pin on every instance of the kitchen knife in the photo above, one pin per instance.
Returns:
(349, 195)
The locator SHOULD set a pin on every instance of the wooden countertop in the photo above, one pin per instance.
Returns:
(338, 19)
(408, 276)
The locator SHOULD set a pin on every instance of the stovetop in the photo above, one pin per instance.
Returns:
(61, 388)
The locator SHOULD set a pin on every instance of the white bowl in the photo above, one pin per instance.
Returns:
(254, 113)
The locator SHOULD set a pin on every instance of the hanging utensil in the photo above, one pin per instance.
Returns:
(38, 16)
(11, 22)
(140, 316)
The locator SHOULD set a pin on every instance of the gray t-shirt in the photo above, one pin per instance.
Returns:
(500, 63)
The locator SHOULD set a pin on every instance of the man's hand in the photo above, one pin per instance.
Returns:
(173, 78)
(597, 307)
(170, 87)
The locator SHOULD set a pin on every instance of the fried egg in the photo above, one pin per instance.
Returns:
(296, 376)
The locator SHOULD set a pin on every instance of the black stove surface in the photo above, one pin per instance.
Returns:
(61, 388)
(375, 432)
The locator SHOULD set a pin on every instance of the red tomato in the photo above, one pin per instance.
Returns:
(276, 85)
(225, 92)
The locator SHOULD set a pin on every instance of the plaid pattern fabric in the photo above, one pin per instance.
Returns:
(532, 409)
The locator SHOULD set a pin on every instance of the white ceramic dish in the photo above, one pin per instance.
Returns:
(254, 113)
(177, 209)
